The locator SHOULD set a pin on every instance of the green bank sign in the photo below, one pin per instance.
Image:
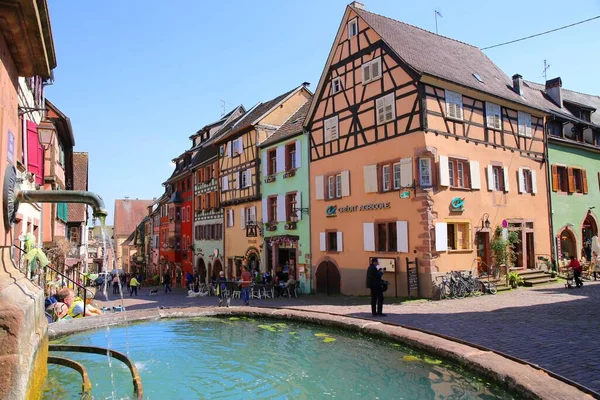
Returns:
(332, 211)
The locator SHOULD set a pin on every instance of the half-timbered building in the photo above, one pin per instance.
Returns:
(239, 177)
(208, 214)
(419, 146)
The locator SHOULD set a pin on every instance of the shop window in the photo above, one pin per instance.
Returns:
(459, 236)
(386, 236)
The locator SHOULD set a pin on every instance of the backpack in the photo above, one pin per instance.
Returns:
(50, 300)
(369, 277)
(384, 286)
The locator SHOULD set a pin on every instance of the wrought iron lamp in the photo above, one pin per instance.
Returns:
(46, 132)
(485, 221)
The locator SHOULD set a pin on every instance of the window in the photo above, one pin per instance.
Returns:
(386, 236)
(560, 179)
(458, 172)
(425, 172)
(74, 235)
(336, 85)
(290, 156)
(331, 129)
(371, 70)
(237, 146)
(385, 178)
(272, 202)
(250, 214)
(207, 201)
(524, 120)
(386, 109)
(290, 206)
(454, 105)
(578, 180)
(555, 128)
(527, 181)
(352, 28)
(229, 218)
(585, 115)
(332, 243)
(498, 178)
(396, 176)
(208, 174)
(493, 116)
(334, 186)
(459, 234)
(272, 162)
(338, 186)
(244, 179)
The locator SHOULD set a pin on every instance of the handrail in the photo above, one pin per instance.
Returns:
(86, 384)
(137, 380)
(74, 283)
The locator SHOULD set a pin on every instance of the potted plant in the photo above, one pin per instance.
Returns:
(514, 279)
(503, 248)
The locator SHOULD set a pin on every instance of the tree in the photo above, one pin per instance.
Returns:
(57, 251)
(504, 248)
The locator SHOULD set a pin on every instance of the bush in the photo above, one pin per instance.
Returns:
(156, 280)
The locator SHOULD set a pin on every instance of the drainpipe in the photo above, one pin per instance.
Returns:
(554, 256)
(310, 211)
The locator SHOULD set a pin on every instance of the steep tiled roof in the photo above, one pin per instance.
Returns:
(438, 56)
(76, 212)
(292, 127)
(128, 214)
(254, 114)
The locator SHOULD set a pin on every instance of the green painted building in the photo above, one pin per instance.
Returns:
(573, 169)
(285, 198)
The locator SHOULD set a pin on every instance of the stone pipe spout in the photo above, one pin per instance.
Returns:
(65, 196)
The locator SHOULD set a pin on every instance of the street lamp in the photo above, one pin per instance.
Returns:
(485, 221)
(46, 132)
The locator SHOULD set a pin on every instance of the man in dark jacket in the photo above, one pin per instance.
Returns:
(374, 282)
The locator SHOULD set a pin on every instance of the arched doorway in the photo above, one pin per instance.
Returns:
(589, 229)
(253, 261)
(568, 244)
(328, 278)
(201, 269)
(216, 268)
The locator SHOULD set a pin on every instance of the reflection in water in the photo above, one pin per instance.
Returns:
(229, 358)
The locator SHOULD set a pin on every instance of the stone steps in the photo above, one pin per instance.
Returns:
(532, 277)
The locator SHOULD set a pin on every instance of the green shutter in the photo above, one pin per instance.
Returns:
(62, 211)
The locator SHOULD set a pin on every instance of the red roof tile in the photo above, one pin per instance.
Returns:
(128, 214)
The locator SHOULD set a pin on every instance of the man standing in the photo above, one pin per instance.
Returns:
(133, 285)
(167, 281)
(374, 282)
(245, 283)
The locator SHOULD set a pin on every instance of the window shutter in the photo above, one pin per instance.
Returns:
(253, 214)
(555, 178)
(281, 217)
(225, 183)
(490, 176)
(571, 177)
(369, 236)
(265, 210)
(402, 236)
(231, 221)
(345, 183)
(380, 106)
(340, 242)
(584, 179)
(238, 180)
(475, 174)
(230, 148)
(366, 73)
(322, 241)
(376, 68)
(406, 172)
(333, 130)
(444, 173)
(280, 158)
(319, 187)
(390, 107)
(441, 236)
(248, 177)
(506, 187)
(493, 116)
(264, 163)
(533, 182)
(298, 154)
(298, 205)
(370, 178)
(521, 182)
(528, 125)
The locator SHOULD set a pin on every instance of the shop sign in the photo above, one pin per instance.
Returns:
(405, 194)
(332, 211)
(457, 204)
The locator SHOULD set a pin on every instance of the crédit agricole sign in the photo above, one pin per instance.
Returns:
(332, 211)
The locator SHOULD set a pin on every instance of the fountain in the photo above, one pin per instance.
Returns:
(24, 342)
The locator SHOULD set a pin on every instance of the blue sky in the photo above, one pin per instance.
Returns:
(138, 77)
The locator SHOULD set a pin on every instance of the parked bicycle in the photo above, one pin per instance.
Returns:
(458, 284)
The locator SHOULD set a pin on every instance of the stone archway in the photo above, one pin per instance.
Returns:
(328, 278)
(589, 229)
(568, 244)
(201, 269)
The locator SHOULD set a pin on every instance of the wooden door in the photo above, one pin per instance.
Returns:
(328, 279)
(484, 262)
(530, 262)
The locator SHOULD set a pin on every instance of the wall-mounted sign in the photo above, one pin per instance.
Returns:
(332, 211)
(251, 230)
(504, 223)
(388, 263)
(405, 194)
(11, 147)
(457, 204)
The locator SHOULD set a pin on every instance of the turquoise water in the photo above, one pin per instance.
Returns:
(243, 358)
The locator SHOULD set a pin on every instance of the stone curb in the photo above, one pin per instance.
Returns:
(522, 378)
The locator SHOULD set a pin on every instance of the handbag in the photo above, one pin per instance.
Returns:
(384, 286)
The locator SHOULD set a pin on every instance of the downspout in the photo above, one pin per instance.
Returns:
(549, 195)
(310, 262)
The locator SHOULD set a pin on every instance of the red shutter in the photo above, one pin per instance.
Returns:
(35, 153)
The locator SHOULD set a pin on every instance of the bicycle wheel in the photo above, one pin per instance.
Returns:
(492, 289)
(444, 291)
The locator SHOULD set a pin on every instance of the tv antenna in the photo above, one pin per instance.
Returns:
(435, 15)
(223, 107)
(546, 66)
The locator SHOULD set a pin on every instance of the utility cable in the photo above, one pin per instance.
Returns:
(540, 34)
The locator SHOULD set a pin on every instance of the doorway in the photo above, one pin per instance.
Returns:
(201, 270)
(589, 229)
(253, 262)
(567, 244)
(287, 261)
(530, 262)
(484, 262)
(328, 278)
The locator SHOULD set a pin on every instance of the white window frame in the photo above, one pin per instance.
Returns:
(336, 85)
(385, 178)
(524, 120)
(493, 116)
(331, 129)
(387, 105)
(396, 167)
(352, 32)
(234, 147)
(422, 162)
(369, 67)
(338, 186)
(331, 187)
(230, 218)
(454, 105)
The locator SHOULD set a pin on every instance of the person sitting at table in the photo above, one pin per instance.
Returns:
(268, 278)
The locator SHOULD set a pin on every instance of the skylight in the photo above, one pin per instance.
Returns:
(478, 78)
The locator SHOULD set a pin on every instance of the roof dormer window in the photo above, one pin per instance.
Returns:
(353, 28)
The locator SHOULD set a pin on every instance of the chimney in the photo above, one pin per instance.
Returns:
(518, 84)
(358, 5)
(554, 90)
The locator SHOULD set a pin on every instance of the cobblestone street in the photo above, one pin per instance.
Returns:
(549, 326)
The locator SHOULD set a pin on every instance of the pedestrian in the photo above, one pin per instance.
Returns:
(375, 283)
(576, 267)
(167, 282)
(115, 282)
(133, 284)
(190, 280)
(245, 284)
(595, 265)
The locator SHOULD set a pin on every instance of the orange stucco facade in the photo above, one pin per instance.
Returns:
(394, 175)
